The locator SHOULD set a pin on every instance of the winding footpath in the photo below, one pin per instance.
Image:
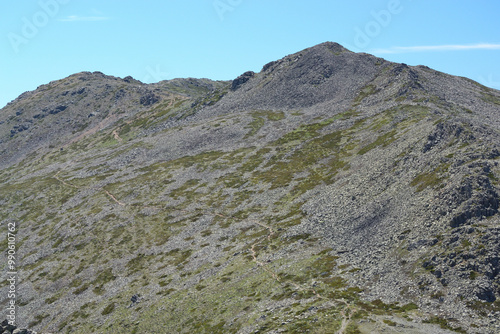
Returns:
(346, 318)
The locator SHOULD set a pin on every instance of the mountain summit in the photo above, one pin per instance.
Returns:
(326, 72)
(330, 192)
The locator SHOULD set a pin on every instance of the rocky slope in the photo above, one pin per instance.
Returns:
(332, 191)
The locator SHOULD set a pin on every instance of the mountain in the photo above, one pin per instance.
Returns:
(330, 192)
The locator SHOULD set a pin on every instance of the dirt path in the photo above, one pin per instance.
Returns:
(56, 176)
(101, 125)
(62, 181)
(271, 231)
(262, 264)
(346, 319)
(345, 322)
(266, 268)
(114, 198)
(116, 136)
(253, 250)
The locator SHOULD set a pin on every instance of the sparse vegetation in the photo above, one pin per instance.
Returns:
(108, 309)
(430, 179)
(231, 219)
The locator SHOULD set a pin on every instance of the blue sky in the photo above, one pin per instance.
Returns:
(154, 40)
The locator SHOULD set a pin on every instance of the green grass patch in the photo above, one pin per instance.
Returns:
(430, 179)
(364, 93)
(382, 140)
(108, 309)
(443, 323)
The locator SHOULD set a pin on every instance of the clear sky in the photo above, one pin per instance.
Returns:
(152, 40)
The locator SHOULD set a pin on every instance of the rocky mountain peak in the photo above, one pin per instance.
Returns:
(315, 75)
